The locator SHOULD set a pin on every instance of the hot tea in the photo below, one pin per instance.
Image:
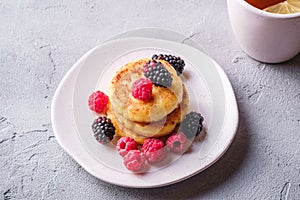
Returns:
(277, 6)
(262, 4)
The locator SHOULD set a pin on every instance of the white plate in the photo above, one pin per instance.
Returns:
(210, 93)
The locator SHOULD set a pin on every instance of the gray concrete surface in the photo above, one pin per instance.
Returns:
(41, 40)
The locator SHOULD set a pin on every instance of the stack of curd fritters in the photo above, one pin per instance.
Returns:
(147, 98)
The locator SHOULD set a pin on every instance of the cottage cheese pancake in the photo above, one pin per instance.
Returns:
(163, 101)
(151, 129)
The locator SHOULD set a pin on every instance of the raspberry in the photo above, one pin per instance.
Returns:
(103, 129)
(157, 73)
(125, 144)
(142, 89)
(153, 149)
(134, 160)
(177, 63)
(192, 124)
(98, 102)
(177, 142)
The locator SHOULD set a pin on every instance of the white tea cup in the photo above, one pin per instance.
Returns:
(264, 36)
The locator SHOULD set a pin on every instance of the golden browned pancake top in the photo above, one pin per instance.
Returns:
(162, 103)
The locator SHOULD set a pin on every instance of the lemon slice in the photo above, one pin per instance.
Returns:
(286, 7)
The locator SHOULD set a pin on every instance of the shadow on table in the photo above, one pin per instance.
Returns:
(287, 65)
(217, 174)
(225, 168)
(288, 68)
(294, 62)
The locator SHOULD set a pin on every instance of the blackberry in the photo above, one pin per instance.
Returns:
(192, 124)
(103, 129)
(157, 73)
(177, 63)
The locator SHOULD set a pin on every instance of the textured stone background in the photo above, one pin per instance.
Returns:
(41, 40)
